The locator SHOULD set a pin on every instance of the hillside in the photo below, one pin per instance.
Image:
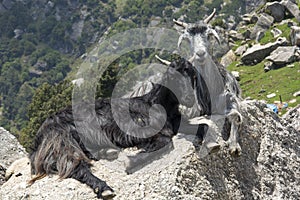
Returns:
(42, 43)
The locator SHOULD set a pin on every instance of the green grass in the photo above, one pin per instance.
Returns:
(269, 36)
(284, 81)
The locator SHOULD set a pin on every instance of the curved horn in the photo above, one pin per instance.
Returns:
(183, 24)
(163, 61)
(215, 34)
(207, 20)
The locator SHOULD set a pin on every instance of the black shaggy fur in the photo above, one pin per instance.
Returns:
(60, 149)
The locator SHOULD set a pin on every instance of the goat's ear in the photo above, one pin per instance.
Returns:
(165, 62)
(212, 32)
(183, 24)
(209, 18)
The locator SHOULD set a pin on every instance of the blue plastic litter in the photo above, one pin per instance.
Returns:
(273, 107)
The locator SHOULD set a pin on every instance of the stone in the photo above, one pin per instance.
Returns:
(295, 35)
(259, 36)
(263, 23)
(276, 10)
(228, 58)
(269, 96)
(296, 94)
(236, 74)
(283, 56)
(276, 32)
(10, 151)
(259, 52)
(240, 50)
(268, 66)
(235, 36)
(292, 8)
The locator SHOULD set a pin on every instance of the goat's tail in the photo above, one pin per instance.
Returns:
(57, 152)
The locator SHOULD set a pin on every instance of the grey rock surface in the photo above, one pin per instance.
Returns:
(283, 56)
(267, 169)
(264, 22)
(295, 35)
(10, 150)
(276, 9)
(259, 52)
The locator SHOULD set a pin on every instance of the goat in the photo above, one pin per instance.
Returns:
(223, 89)
(60, 148)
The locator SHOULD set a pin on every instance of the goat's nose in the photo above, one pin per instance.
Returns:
(201, 53)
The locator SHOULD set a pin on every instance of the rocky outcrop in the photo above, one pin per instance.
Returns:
(267, 169)
(284, 55)
(10, 150)
(259, 52)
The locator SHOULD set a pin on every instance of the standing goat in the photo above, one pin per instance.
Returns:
(61, 149)
(223, 89)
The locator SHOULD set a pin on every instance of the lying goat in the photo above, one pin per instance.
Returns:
(60, 149)
(223, 89)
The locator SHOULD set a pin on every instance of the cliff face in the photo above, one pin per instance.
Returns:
(267, 169)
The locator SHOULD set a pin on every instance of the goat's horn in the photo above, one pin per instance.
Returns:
(215, 34)
(207, 20)
(162, 61)
(183, 24)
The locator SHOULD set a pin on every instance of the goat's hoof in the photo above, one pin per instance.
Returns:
(105, 193)
(108, 194)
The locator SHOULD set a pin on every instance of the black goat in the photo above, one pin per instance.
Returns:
(61, 149)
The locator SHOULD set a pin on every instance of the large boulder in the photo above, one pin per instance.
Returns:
(259, 52)
(267, 169)
(263, 23)
(276, 10)
(284, 55)
(292, 8)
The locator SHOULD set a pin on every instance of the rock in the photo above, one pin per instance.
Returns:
(236, 74)
(10, 151)
(258, 52)
(269, 96)
(276, 32)
(295, 35)
(246, 34)
(240, 50)
(264, 23)
(268, 168)
(292, 8)
(268, 66)
(276, 10)
(250, 18)
(296, 94)
(228, 58)
(283, 56)
(235, 36)
(292, 118)
(259, 36)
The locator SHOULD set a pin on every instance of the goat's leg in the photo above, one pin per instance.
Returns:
(235, 120)
(83, 174)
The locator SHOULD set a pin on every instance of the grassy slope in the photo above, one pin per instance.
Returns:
(284, 81)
